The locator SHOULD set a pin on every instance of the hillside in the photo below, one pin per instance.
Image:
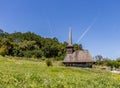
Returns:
(35, 74)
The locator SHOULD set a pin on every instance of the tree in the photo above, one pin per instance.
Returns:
(1, 31)
(118, 59)
(31, 45)
(99, 58)
(50, 48)
(28, 45)
(4, 50)
(77, 47)
(6, 46)
(113, 63)
(3, 34)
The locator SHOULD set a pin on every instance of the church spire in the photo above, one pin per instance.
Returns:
(69, 46)
(70, 37)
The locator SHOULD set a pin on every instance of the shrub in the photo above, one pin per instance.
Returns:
(33, 53)
(113, 64)
(37, 53)
(49, 62)
(99, 63)
(59, 58)
(3, 50)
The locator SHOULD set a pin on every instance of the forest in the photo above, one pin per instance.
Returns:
(29, 45)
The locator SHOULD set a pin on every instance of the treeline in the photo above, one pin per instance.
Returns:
(107, 62)
(31, 45)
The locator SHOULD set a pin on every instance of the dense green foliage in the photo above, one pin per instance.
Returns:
(31, 45)
(113, 63)
(36, 74)
(109, 62)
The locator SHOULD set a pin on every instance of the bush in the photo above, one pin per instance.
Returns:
(113, 64)
(38, 53)
(3, 50)
(60, 58)
(99, 63)
(34, 53)
(49, 62)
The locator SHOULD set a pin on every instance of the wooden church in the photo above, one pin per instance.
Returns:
(80, 58)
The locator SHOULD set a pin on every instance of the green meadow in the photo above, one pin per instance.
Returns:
(21, 73)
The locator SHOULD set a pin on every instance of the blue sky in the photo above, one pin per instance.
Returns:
(97, 20)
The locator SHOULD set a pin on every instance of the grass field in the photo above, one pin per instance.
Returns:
(35, 74)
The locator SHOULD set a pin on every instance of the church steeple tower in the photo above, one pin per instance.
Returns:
(69, 46)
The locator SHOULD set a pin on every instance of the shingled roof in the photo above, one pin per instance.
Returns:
(79, 56)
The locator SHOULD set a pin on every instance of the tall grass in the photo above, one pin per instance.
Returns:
(36, 74)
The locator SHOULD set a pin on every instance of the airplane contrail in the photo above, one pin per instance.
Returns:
(88, 28)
